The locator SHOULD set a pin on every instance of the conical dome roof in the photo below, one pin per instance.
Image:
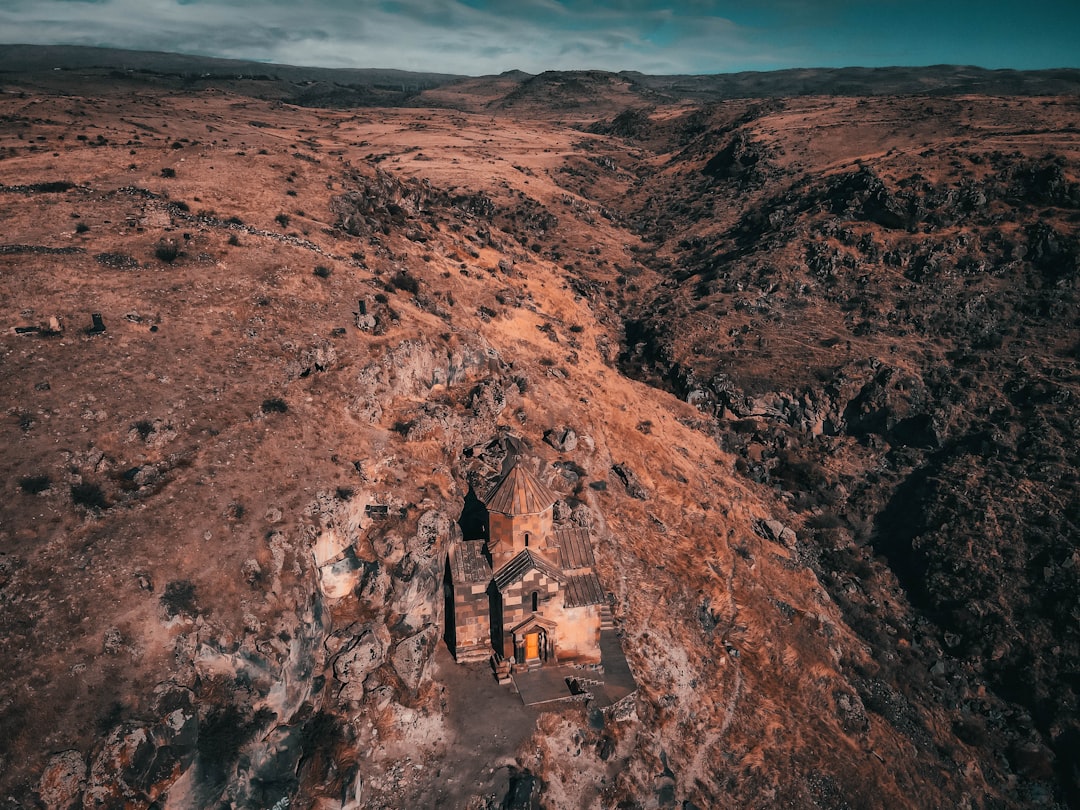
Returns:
(520, 493)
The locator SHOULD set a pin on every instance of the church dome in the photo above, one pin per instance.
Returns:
(520, 492)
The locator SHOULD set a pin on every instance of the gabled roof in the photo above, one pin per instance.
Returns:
(520, 493)
(534, 620)
(524, 562)
(575, 550)
(583, 589)
(468, 563)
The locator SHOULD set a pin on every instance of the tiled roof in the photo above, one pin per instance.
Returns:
(520, 493)
(583, 589)
(523, 563)
(575, 550)
(468, 563)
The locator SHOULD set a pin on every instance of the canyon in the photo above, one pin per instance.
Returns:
(799, 350)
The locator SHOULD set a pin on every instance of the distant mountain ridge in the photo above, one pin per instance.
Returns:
(37, 58)
(49, 65)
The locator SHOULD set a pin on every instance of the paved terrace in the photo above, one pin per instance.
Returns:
(548, 684)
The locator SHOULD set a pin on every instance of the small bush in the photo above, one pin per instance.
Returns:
(322, 271)
(82, 227)
(89, 495)
(274, 405)
(179, 597)
(167, 250)
(167, 172)
(234, 240)
(33, 484)
(405, 282)
(51, 187)
(282, 220)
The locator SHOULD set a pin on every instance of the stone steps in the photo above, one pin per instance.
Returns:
(607, 618)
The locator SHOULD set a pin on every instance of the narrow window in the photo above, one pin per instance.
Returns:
(536, 601)
(526, 539)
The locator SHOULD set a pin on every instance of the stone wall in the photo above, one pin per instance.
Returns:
(472, 623)
(507, 536)
(517, 603)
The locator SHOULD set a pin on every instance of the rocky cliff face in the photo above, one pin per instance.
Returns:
(804, 367)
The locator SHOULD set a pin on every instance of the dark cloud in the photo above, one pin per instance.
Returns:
(489, 36)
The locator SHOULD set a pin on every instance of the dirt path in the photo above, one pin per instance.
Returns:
(488, 723)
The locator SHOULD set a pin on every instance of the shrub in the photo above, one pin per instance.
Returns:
(51, 187)
(33, 484)
(403, 281)
(234, 240)
(167, 172)
(282, 220)
(274, 405)
(179, 597)
(89, 495)
(167, 250)
(82, 227)
(322, 271)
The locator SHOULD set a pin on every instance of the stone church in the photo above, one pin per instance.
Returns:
(525, 591)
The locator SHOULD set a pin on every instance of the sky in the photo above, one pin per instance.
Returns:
(478, 37)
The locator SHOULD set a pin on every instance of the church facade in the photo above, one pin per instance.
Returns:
(525, 592)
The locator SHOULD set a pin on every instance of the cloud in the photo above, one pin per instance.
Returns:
(451, 36)
(490, 36)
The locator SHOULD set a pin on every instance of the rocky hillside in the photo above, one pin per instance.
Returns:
(816, 356)
(876, 300)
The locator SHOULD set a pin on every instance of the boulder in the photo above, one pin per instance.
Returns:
(634, 487)
(62, 781)
(411, 656)
(358, 657)
(562, 438)
(340, 578)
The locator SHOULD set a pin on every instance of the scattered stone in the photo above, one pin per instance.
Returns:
(634, 487)
(774, 530)
(113, 643)
(563, 438)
